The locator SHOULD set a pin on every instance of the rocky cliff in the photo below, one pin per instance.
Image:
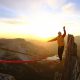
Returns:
(71, 68)
(71, 64)
(68, 69)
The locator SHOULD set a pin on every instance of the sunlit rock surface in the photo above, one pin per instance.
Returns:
(71, 65)
(71, 68)
(47, 69)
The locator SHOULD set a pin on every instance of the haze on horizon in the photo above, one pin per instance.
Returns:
(38, 19)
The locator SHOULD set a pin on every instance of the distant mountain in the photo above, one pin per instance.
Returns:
(27, 48)
(26, 71)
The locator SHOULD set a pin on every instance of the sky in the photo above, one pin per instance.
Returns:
(38, 18)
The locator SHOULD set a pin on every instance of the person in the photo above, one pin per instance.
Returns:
(60, 41)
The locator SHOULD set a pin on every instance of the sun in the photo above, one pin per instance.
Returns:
(43, 25)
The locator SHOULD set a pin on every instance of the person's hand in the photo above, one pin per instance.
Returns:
(64, 27)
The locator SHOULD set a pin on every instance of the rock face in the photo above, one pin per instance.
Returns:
(6, 77)
(57, 76)
(71, 65)
(68, 69)
(71, 68)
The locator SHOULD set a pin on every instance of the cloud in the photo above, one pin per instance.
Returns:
(6, 12)
(15, 21)
(55, 3)
(42, 14)
(69, 8)
(26, 7)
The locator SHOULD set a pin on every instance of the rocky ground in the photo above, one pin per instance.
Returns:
(46, 69)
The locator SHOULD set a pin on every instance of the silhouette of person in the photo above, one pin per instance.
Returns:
(60, 41)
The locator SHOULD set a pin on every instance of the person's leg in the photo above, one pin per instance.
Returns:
(60, 52)
(62, 49)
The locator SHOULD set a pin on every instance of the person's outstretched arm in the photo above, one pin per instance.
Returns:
(54, 39)
(64, 32)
